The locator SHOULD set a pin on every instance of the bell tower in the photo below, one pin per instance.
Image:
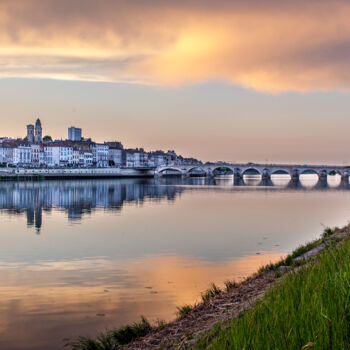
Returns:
(38, 131)
(30, 133)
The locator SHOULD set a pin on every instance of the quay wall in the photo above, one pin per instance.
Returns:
(33, 174)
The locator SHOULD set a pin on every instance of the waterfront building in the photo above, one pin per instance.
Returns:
(51, 155)
(140, 159)
(7, 150)
(159, 158)
(115, 156)
(76, 156)
(136, 158)
(74, 134)
(38, 131)
(35, 154)
(58, 153)
(129, 159)
(88, 159)
(100, 154)
(3, 158)
(22, 154)
(65, 154)
(30, 133)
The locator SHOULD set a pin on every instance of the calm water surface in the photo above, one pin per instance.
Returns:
(77, 257)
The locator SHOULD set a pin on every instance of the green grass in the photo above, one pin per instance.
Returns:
(210, 293)
(184, 310)
(113, 339)
(229, 285)
(309, 308)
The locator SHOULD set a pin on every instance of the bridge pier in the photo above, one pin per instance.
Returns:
(237, 174)
(323, 175)
(345, 176)
(266, 175)
(295, 175)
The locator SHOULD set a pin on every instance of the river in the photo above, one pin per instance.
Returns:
(77, 257)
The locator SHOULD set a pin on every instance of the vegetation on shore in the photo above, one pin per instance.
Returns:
(308, 308)
(112, 339)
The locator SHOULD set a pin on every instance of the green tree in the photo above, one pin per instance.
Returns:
(47, 138)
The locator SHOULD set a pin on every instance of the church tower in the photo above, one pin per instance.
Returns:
(30, 133)
(38, 131)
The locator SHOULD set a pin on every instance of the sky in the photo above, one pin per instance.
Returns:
(253, 80)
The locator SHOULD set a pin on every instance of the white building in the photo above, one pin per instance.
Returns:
(3, 154)
(129, 159)
(159, 158)
(115, 155)
(76, 156)
(8, 152)
(65, 154)
(140, 159)
(136, 158)
(88, 159)
(52, 155)
(35, 154)
(22, 155)
(100, 154)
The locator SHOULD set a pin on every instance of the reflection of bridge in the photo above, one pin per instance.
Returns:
(239, 170)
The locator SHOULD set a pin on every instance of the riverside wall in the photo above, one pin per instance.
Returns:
(41, 173)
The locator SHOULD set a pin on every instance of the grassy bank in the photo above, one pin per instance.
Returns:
(301, 302)
(309, 308)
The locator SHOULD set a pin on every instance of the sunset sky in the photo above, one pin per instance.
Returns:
(219, 80)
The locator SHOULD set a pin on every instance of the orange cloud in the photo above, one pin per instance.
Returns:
(264, 45)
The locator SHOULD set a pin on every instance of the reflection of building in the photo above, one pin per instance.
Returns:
(78, 198)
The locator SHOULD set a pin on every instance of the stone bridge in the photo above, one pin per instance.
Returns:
(239, 170)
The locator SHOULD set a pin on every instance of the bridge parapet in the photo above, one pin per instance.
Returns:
(265, 170)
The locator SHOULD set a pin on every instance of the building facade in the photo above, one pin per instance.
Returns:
(38, 131)
(22, 154)
(100, 154)
(74, 134)
(30, 133)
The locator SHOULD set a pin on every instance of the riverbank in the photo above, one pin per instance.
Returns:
(214, 322)
(39, 174)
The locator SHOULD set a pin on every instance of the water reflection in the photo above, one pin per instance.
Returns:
(224, 181)
(252, 180)
(79, 198)
(334, 181)
(280, 180)
(77, 298)
(111, 250)
(309, 180)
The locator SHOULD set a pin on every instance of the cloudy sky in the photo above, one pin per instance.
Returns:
(234, 80)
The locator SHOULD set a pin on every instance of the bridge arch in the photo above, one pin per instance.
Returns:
(175, 171)
(280, 172)
(196, 170)
(309, 171)
(251, 171)
(223, 170)
(334, 172)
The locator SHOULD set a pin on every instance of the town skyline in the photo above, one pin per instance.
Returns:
(38, 150)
